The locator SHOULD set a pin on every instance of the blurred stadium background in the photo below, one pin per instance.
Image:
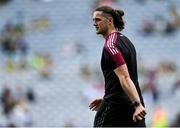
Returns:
(50, 60)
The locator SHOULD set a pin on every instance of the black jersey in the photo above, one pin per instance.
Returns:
(118, 50)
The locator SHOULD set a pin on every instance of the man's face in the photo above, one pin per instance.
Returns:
(100, 23)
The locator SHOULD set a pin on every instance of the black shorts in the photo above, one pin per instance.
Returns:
(108, 116)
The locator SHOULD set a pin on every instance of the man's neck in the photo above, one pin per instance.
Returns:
(109, 32)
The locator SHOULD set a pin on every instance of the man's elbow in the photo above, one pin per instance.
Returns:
(124, 78)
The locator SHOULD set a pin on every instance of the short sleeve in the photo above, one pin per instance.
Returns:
(115, 53)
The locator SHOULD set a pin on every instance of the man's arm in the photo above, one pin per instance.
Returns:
(126, 83)
(130, 89)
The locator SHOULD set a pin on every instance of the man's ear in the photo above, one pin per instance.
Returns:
(110, 19)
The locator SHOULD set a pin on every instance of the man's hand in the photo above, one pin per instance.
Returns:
(94, 105)
(139, 113)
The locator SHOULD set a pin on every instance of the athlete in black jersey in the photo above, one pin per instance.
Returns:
(122, 104)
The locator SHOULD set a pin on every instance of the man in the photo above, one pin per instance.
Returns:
(122, 104)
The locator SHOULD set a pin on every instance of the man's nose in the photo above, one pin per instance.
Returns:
(94, 23)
